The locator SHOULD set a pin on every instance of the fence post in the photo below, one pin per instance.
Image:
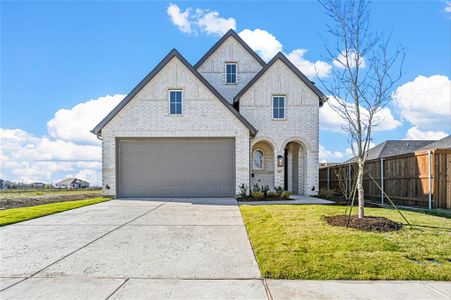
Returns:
(430, 179)
(382, 180)
(328, 178)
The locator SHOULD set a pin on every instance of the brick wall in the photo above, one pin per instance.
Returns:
(147, 115)
(213, 69)
(300, 125)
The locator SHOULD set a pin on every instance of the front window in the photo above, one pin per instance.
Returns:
(258, 160)
(175, 102)
(278, 107)
(231, 73)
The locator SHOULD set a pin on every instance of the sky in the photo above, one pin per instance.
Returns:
(65, 64)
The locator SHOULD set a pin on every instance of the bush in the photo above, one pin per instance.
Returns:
(257, 195)
(265, 190)
(243, 190)
(278, 190)
(256, 188)
(285, 195)
(326, 193)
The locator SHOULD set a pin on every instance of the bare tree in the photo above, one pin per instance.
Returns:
(365, 71)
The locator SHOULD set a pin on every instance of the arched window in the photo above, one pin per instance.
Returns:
(258, 159)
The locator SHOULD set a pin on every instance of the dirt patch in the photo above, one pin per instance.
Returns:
(379, 224)
(26, 201)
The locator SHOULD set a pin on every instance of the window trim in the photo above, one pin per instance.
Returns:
(284, 107)
(263, 159)
(181, 103)
(236, 72)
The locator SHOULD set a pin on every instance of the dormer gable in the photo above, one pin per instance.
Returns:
(229, 65)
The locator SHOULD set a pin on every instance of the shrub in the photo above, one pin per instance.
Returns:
(257, 195)
(256, 188)
(265, 190)
(285, 195)
(243, 190)
(326, 193)
(278, 190)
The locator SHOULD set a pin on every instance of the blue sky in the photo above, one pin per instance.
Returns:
(56, 55)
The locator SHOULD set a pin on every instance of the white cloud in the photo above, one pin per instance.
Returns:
(67, 151)
(416, 134)
(262, 42)
(267, 45)
(212, 23)
(331, 121)
(448, 7)
(179, 18)
(76, 123)
(310, 69)
(330, 156)
(203, 20)
(425, 102)
(340, 60)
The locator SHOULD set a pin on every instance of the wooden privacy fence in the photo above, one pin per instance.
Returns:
(421, 179)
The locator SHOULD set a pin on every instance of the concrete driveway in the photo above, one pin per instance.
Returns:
(131, 249)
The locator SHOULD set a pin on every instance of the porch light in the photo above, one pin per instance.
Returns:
(280, 160)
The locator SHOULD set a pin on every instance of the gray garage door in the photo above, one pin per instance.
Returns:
(176, 167)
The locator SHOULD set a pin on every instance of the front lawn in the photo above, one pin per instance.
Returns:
(14, 215)
(295, 242)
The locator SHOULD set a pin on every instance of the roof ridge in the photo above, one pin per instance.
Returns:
(173, 53)
(228, 34)
(292, 67)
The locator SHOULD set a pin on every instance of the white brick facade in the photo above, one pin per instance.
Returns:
(204, 115)
(213, 69)
(147, 115)
(300, 125)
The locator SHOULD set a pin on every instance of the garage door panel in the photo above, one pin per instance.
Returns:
(176, 167)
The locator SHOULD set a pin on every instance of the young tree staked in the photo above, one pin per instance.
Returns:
(366, 68)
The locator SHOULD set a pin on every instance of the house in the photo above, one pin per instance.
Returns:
(72, 183)
(202, 130)
(6, 184)
(37, 185)
(393, 148)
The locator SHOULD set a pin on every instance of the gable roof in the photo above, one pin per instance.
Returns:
(293, 68)
(173, 53)
(230, 33)
(393, 148)
(444, 143)
(71, 181)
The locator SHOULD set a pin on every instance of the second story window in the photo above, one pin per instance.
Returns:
(278, 107)
(175, 102)
(231, 73)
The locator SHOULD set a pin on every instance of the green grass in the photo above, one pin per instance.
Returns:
(294, 242)
(14, 215)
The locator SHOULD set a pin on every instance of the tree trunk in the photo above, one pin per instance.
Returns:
(360, 191)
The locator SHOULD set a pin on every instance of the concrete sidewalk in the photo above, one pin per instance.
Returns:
(160, 249)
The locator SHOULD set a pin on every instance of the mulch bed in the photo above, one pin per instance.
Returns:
(379, 224)
(249, 199)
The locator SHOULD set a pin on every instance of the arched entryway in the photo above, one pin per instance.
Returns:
(262, 163)
(294, 167)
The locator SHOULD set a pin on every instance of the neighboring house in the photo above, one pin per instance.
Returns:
(444, 143)
(72, 183)
(398, 147)
(37, 185)
(6, 184)
(393, 148)
(203, 130)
